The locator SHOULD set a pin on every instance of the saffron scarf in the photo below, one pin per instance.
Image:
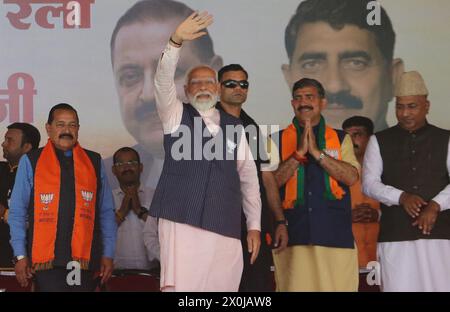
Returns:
(47, 184)
(328, 141)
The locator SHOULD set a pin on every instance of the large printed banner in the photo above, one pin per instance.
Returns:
(67, 51)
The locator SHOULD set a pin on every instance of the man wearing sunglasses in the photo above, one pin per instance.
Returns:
(132, 218)
(234, 86)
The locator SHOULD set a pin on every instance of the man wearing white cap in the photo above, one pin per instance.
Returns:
(406, 168)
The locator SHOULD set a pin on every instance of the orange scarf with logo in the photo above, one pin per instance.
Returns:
(293, 186)
(47, 184)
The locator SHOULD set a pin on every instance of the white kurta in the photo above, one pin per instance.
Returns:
(420, 265)
(194, 259)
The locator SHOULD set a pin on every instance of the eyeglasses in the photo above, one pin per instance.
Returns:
(129, 163)
(234, 83)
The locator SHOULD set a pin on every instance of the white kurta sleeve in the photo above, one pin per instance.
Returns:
(251, 198)
(443, 198)
(170, 108)
(372, 171)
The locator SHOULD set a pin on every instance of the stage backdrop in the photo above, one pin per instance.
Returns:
(41, 66)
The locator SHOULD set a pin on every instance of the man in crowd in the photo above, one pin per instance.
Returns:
(317, 166)
(407, 169)
(332, 42)
(130, 199)
(234, 85)
(365, 210)
(201, 193)
(136, 44)
(62, 192)
(19, 140)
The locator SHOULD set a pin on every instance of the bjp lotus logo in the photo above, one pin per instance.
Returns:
(87, 196)
(46, 199)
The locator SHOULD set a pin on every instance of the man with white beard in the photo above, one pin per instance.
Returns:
(199, 200)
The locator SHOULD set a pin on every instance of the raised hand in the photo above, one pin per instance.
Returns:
(132, 191)
(313, 150)
(302, 147)
(191, 28)
(124, 209)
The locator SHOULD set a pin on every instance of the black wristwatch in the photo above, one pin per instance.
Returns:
(142, 212)
(283, 222)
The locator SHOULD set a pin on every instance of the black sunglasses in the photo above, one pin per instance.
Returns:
(234, 83)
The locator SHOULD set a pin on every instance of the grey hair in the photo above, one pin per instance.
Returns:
(189, 72)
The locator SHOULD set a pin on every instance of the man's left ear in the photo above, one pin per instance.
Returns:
(27, 147)
(323, 103)
(114, 170)
(48, 128)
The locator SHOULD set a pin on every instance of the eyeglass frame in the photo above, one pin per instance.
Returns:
(232, 84)
(120, 164)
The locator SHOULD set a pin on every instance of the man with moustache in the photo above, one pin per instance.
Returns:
(256, 277)
(407, 169)
(19, 140)
(136, 44)
(132, 217)
(61, 191)
(199, 198)
(316, 169)
(365, 210)
(332, 42)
